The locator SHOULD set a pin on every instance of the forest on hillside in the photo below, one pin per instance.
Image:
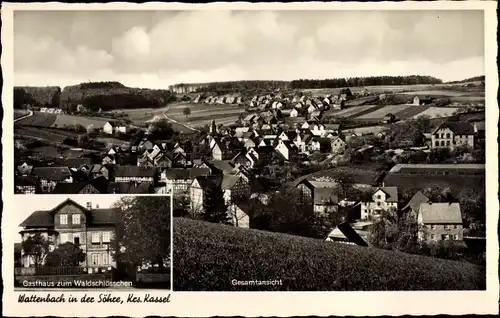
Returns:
(364, 81)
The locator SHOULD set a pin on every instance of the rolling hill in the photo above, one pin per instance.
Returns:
(208, 257)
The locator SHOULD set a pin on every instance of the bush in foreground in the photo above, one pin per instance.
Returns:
(208, 257)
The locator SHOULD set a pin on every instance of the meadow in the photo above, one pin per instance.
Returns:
(437, 112)
(209, 256)
(380, 113)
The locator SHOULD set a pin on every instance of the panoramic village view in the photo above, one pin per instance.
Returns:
(324, 182)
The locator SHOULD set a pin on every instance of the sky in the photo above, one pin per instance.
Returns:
(155, 49)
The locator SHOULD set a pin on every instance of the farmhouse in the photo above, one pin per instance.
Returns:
(453, 134)
(440, 222)
(89, 227)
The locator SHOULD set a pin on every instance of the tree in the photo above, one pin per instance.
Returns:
(36, 247)
(186, 111)
(143, 231)
(66, 254)
(162, 129)
(214, 206)
(287, 211)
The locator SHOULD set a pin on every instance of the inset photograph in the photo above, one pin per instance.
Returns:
(93, 241)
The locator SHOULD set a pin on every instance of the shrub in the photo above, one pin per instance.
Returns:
(208, 257)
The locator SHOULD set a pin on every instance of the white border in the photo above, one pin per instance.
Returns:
(197, 304)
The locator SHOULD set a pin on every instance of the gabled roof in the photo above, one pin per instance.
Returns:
(94, 216)
(52, 173)
(415, 202)
(391, 192)
(440, 213)
(71, 188)
(345, 230)
(458, 128)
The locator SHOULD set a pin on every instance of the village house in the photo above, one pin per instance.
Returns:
(178, 180)
(338, 145)
(235, 191)
(322, 195)
(413, 206)
(383, 198)
(417, 101)
(440, 222)
(91, 228)
(49, 177)
(286, 149)
(137, 174)
(453, 134)
(319, 144)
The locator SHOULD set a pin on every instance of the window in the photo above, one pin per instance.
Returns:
(75, 219)
(64, 238)
(95, 238)
(456, 226)
(94, 259)
(444, 237)
(446, 227)
(437, 143)
(63, 219)
(379, 197)
(433, 226)
(105, 259)
(456, 237)
(106, 237)
(442, 142)
(433, 237)
(447, 142)
(448, 135)
(378, 203)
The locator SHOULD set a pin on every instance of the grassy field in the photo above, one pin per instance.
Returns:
(202, 114)
(380, 113)
(208, 257)
(410, 112)
(352, 111)
(47, 134)
(439, 92)
(38, 119)
(437, 112)
(71, 120)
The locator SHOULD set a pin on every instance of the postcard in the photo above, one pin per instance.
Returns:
(250, 159)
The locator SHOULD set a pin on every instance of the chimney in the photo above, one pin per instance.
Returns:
(89, 205)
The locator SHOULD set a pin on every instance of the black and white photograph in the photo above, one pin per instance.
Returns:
(254, 149)
(88, 242)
